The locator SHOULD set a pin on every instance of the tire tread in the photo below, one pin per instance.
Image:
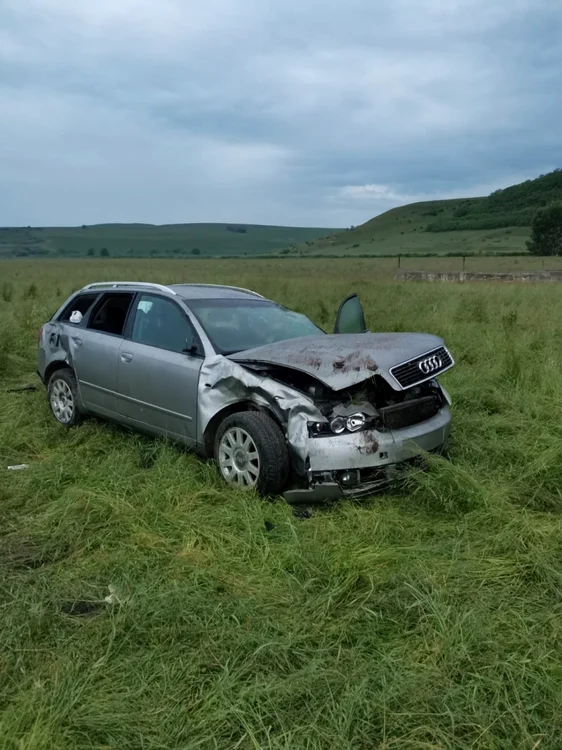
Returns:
(271, 445)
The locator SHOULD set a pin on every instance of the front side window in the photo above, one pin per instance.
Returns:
(234, 325)
(110, 314)
(160, 322)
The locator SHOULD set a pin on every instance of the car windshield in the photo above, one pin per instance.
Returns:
(234, 325)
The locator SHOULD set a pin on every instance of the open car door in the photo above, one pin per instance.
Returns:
(350, 317)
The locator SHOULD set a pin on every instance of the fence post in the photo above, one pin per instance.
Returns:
(463, 262)
(398, 261)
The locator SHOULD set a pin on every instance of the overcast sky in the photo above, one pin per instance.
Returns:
(308, 112)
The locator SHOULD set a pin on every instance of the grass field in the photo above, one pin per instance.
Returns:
(430, 617)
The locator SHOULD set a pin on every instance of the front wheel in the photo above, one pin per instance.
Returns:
(251, 453)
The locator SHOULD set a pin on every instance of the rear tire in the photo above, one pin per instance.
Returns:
(251, 453)
(62, 392)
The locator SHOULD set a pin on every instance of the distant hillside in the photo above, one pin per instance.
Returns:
(510, 207)
(404, 230)
(149, 240)
(496, 224)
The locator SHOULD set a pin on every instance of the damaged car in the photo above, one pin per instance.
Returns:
(282, 406)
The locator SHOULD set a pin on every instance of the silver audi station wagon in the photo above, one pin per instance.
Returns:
(280, 405)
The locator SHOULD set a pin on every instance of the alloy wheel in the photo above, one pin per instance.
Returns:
(62, 401)
(239, 460)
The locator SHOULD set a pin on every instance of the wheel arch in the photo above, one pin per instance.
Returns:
(59, 364)
(236, 408)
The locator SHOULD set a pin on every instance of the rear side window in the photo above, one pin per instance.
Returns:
(110, 314)
(75, 310)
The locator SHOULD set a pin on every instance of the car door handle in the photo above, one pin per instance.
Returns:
(126, 357)
(77, 341)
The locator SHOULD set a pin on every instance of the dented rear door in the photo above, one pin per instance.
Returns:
(95, 356)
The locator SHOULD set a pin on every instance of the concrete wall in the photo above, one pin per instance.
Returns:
(479, 276)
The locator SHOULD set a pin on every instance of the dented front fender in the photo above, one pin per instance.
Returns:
(223, 383)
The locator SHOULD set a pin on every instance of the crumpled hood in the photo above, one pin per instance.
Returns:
(344, 359)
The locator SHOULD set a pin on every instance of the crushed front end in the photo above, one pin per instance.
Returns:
(366, 433)
(354, 406)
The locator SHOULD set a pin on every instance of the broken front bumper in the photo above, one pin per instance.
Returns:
(368, 456)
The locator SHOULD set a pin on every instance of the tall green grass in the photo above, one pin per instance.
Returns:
(429, 617)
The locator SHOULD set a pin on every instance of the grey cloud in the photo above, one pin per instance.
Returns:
(267, 112)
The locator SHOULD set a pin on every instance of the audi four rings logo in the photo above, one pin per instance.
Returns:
(431, 364)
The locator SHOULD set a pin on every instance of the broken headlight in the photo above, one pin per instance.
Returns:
(338, 425)
(356, 422)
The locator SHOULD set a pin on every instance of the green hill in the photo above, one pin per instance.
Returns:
(148, 240)
(498, 223)
(512, 206)
(405, 230)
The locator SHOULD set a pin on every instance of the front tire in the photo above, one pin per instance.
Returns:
(251, 453)
(62, 392)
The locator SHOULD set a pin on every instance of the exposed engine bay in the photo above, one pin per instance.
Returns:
(370, 404)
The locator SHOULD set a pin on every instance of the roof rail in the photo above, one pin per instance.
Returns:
(227, 286)
(116, 284)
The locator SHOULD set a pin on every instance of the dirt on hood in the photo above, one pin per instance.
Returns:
(343, 360)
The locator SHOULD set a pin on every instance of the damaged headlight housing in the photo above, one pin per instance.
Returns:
(338, 425)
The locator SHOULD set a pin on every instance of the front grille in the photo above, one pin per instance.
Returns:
(422, 368)
(409, 413)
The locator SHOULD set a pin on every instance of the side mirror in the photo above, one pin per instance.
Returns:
(350, 317)
(191, 348)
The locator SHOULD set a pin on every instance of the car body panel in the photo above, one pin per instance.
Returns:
(94, 357)
(157, 390)
(370, 448)
(343, 360)
(53, 348)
